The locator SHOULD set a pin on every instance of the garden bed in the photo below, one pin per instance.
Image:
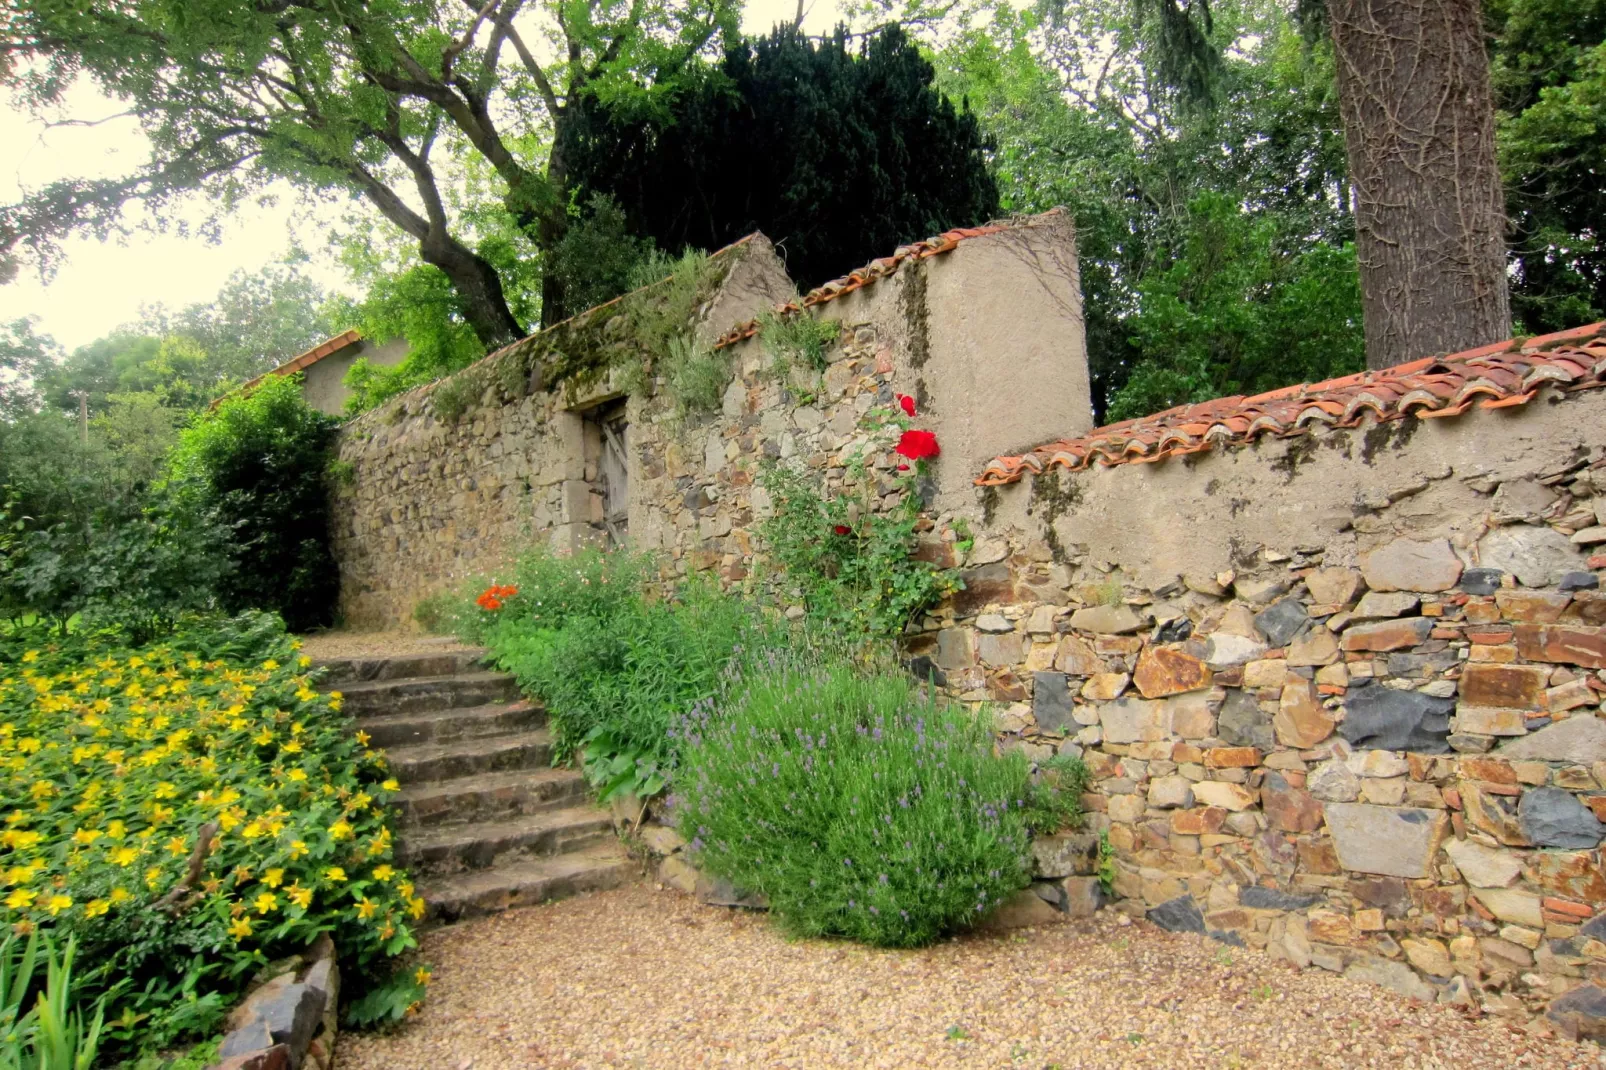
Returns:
(653, 979)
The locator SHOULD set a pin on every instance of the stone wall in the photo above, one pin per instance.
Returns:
(984, 330)
(1341, 692)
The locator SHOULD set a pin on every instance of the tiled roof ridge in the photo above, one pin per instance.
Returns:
(881, 268)
(297, 363)
(1498, 376)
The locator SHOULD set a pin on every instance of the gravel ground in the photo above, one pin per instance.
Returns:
(374, 644)
(637, 978)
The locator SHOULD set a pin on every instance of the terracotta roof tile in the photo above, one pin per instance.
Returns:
(298, 363)
(1499, 376)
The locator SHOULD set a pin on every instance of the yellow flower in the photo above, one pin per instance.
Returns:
(116, 830)
(270, 665)
(240, 928)
(391, 785)
(31, 655)
(252, 830)
(273, 878)
(383, 873)
(58, 903)
(298, 849)
(363, 738)
(267, 902)
(334, 873)
(96, 907)
(20, 839)
(124, 856)
(366, 908)
(298, 775)
(301, 897)
(86, 836)
(422, 975)
(21, 899)
(341, 830)
(292, 747)
(416, 908)
(120, 895)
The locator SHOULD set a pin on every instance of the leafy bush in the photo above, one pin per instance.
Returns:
(859, 804)
(259, 463)
(612, 667)
(187, 818)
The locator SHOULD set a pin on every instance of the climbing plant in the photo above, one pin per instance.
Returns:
(850, 558)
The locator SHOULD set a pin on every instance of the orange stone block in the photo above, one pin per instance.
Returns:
(1202, 821)
(1231, 758)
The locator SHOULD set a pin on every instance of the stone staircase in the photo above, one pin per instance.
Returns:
(486, 822)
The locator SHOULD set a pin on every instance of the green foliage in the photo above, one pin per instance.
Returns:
(1235, 314)
(189, 812)
(1105, 869)
(56, 1033)
(799, 341)
(390, 1000)
(859, 805)
(849, 558)
(1549, 77)
(695, 376)
(25, 355)
(87, 540)
(613, 667)
(838, 150)
(259, 463)
(598, 257)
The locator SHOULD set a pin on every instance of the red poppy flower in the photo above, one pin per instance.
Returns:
(842, 529)
(907, 404)
(918, 445)
(903, 468)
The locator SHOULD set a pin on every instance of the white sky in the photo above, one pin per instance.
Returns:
(102, 285)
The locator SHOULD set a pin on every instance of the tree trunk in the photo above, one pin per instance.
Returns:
(553, 224)
(1413, 85)
(478, 287)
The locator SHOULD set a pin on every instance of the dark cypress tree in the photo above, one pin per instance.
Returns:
(838, 155)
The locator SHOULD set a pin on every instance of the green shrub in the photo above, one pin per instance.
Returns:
(188, 812)
(856, 802)
(612, 667)
(260, 464)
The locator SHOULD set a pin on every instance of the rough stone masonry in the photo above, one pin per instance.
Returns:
(1341, 690)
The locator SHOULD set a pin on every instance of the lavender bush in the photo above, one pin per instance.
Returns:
(858, 805)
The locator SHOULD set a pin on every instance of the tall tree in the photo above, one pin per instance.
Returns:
(1418, 114)
(838, 153)
(385, 101)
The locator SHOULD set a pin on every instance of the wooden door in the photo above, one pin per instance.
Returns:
(615, 475)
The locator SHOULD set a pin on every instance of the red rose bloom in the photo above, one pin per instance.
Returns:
(918, 445)
(907, 404)
(842, 529)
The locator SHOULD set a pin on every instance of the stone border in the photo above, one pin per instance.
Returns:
(290, 1020)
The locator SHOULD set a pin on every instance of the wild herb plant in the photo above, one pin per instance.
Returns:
(856, 801)
(798, 341)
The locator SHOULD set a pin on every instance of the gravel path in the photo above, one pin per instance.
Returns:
(637, 978)
(374, 644)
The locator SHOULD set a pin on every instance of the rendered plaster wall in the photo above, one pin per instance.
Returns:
(323, 383)
(1341, 694)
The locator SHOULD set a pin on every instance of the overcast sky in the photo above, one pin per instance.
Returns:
(102, 285)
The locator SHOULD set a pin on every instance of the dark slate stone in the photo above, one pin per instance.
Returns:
(925, 670)
(293, 1016)
(1552, 817)
(1174, 631)
(986, 583)
(1243, 723)
(1581, 1013)
(1579, 581)
(1480, 580)
(1281, 621)
(1257, 898)
(1051, 701)
(1381, 718)
(1595, 929)
(1179, 915)
(1388, 894)
(1421, 665)
(719, 892)
(252, 1036)
(1226, 936)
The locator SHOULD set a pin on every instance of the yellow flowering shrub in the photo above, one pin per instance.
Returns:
(112, 767)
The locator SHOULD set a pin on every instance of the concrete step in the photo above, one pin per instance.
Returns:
(425, 694)
(482, 845)
(397, 666)
(527, 883)
(489, 797)
(444, 726)
(423, 762)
